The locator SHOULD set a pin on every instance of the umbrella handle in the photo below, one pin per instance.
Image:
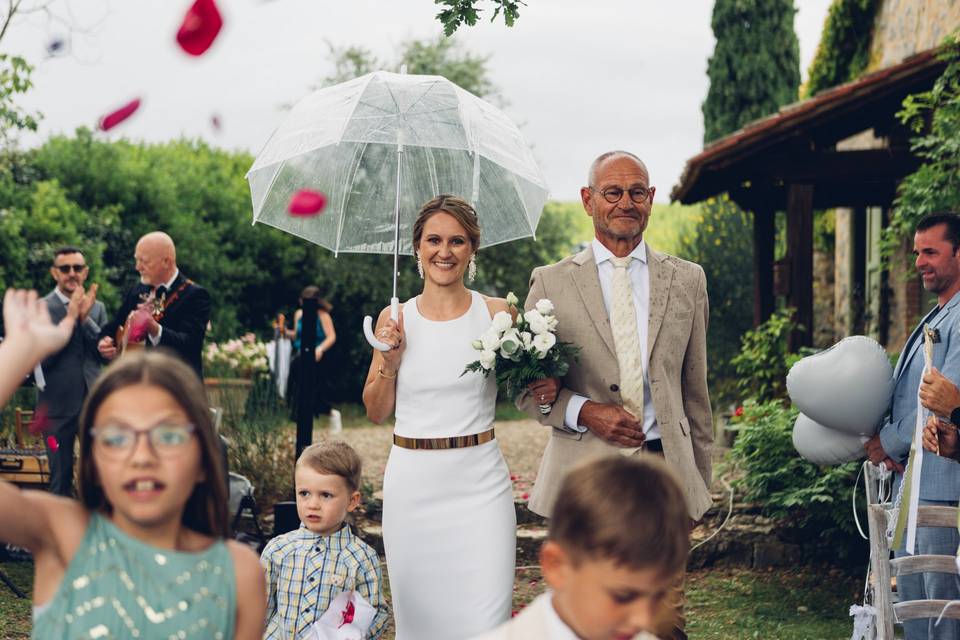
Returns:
(368, 326)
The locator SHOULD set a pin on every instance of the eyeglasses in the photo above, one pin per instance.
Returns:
(167, 440)
(65, 268)
(637, 194)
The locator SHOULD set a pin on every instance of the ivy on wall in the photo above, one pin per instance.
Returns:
(844, 49)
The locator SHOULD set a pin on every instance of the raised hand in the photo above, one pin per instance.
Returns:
(86, 301)
(612, 423)
(26, 319)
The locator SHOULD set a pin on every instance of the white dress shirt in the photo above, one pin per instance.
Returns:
(168, 284)
(640, 283)
(557, 629)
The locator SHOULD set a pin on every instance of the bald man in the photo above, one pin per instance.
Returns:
(177, 308)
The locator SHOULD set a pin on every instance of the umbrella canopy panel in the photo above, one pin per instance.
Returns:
(344, 142)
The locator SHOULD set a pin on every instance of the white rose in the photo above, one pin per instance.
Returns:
(509, 343)
(502, 321)
(490, 339)
(527, 339)
(552, 323)
(544, 306)
(538, 324)
(542, 343)
(477, 344)
(487, 358)
(512, 299)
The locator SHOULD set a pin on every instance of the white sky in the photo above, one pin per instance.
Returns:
(580, 78)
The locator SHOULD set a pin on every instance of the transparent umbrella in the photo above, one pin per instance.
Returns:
(379, 147)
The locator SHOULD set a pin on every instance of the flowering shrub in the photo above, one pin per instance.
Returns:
(241, 357)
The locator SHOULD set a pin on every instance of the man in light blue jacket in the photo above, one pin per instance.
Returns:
(936, 245)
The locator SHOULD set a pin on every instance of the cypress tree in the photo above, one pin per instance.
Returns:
(755, 67)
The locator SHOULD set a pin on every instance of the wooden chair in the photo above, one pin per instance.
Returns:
(883, 568)
(23, 418)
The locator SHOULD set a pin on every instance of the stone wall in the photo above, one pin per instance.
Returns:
(905, 27)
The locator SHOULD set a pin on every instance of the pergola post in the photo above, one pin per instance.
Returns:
(764, 234)
(800, 254)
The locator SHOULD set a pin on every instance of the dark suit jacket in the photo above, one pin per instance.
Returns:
(184, 322)
(70, 372)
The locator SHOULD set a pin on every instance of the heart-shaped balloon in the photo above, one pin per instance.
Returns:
(824, 446)
(846, 387)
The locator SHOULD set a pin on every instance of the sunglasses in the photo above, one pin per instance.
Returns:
(65, 268)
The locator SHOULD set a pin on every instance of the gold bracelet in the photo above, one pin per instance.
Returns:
(383, 375)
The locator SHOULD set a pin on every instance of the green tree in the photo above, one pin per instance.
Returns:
(844, 49)
(755, 65)
(754, 70)
(934, 118)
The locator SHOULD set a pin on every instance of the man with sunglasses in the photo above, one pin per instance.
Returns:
(69, 373)
(639, 317)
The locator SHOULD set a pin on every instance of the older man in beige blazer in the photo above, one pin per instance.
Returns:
(588, 415)
(640, 385)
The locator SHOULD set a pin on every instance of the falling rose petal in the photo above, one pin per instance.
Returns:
(200, 27)
(215, 123)
(55, 46)
(40, 422)
(525, 496)
(307, 202)
(52, 443)
(111, 120)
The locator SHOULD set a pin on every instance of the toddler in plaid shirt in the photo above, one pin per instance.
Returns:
(309, 567)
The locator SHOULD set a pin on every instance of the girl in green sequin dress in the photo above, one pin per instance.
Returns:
(143, 553)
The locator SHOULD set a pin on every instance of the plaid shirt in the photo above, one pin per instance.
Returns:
(306, 571)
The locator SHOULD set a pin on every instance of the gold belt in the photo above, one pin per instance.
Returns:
(453, 442)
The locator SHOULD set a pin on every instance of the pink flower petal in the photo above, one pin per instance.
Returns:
(52, 443)
(200, 27)
(306, 202)
(215, 123)
(40, 422)
(111, 120)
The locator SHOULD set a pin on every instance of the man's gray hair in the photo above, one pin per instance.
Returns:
(592, 175)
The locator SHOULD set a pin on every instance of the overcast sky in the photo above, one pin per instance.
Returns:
(580, 78)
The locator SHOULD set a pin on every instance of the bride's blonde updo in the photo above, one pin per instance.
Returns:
(460, 209)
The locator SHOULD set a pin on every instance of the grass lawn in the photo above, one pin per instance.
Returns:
(804, 603)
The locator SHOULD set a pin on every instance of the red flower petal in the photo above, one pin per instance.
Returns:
(738, 412)
(200, 27)
(52, 443)
(111, 120)
(40, 422)
(525, 496)
(348, 613)
(307, 202)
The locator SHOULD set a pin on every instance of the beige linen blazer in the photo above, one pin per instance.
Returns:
(677, 370)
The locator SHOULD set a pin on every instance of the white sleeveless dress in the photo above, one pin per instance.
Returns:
(449, 525)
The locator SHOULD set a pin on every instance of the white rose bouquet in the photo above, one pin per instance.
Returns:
(523, 351)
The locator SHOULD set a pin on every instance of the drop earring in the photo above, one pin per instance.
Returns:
(472, 268)
(419, 267)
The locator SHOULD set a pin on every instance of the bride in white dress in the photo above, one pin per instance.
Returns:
(449, 526)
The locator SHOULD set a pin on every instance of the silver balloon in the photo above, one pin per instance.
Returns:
(824, 446)
(846, 387)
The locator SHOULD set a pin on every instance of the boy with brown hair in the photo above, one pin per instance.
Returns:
(306, 569)
(618, 542)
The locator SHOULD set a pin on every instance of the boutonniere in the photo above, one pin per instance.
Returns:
(338, 580)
